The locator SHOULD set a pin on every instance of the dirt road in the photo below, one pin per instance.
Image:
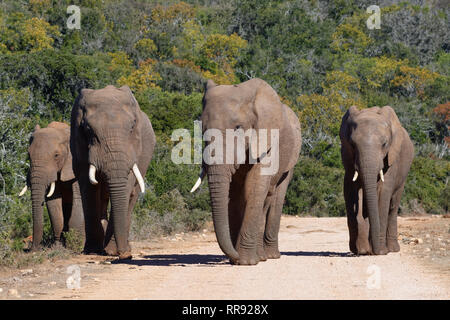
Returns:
(315, 264)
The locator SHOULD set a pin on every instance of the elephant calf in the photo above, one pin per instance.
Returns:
(247, 199)
(51, 170)
(377, 154)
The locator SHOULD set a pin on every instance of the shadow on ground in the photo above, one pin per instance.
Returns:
(318, 254)
(177, 260)
(211, 260)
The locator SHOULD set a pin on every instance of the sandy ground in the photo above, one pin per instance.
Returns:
(315, 264)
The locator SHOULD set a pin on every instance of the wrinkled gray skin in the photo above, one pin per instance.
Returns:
(246, 206)
(110, 132)
(51, 161)
(373, 140)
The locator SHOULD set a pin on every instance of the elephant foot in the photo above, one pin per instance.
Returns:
(363, 247)
(272, 252)
(247, 258)
(125, 256)
(392, 245)
(261, 254)
(111, 249)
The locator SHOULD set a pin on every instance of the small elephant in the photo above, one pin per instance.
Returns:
(51, 168)
(247, 203)
(112, 142)
(377, 154)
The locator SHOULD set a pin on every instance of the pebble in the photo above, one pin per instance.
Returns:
(1, 290)
(427, 235)
(52, 283)
(427, 249)
(26, 271)
(13, 293)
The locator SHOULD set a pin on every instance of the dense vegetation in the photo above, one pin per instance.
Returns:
(319, 56)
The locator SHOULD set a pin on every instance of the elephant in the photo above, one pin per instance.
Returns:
(112, 143)
(51, 168)
(247, 204)
(377, 154)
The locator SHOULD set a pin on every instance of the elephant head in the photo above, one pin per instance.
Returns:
(50, 161)
(371, 143)
(107, 127)
(250, 106)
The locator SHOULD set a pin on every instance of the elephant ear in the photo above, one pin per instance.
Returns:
(397, 137)
(67, 169)
(347, 152)
(269, 114)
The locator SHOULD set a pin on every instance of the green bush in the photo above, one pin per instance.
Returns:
(427, 185)
(315, 190)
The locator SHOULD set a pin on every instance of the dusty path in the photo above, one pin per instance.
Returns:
(315, 264)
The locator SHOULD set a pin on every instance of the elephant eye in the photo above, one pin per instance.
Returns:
(56, 155)
(238, 127)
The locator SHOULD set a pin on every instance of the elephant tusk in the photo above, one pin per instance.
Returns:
(199, 181)
(92, 174)
(52, 189)
(139, 178)
(355, 176)
(381, 175)
(23, 191)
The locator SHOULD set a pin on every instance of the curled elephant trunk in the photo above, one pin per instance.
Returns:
(219, 186)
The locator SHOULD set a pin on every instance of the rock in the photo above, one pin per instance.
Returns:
(427, 249)
(52, 283)
(427, 235)
(13, 293)
(419, 240)
(26, 271)
(400, 237)
(1, 290)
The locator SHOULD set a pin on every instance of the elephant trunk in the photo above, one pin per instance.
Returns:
(369, 173)
(119, 210)
(37, 200)
(40, 179)
(219, 186)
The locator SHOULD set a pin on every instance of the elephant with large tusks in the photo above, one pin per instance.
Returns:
(377, 154)
(247, 199)
(52, 181)
(112, 143)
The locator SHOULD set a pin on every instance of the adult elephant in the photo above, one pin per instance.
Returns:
(247, 199)
(112, 143)
(377, 154)
(52, 181)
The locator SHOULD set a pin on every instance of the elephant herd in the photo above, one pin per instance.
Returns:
(100, 162)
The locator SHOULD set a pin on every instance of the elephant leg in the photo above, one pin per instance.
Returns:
(385, 195)
(236, 206)
(272, 226)
(392, 234)
(255, 193)
(55, 211)
(269, 204)
(93, 227)
(351, 204)
(76, 219)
